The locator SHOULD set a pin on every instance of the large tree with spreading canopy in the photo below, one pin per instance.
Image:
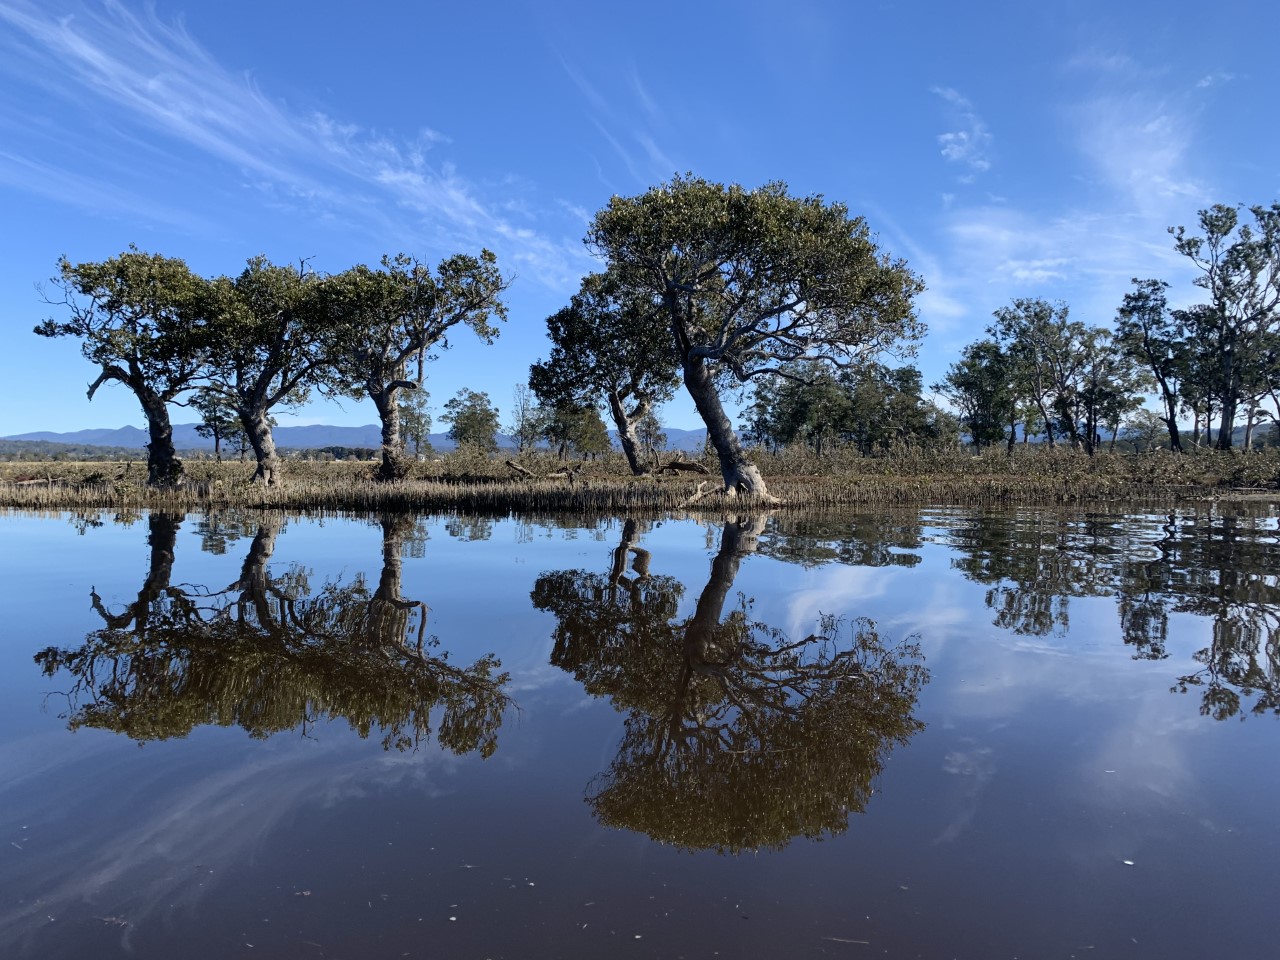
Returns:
(747, 281)
(138, 318)
(402, 312)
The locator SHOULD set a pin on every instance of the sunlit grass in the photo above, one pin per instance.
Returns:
(474, 483)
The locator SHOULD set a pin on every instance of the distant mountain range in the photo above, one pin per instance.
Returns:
(310, 437)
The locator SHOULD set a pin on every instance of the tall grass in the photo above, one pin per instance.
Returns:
(476, 484)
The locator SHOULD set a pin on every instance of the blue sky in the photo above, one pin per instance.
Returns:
(1002, 149)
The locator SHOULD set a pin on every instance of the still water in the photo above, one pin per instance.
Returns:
(939, 733)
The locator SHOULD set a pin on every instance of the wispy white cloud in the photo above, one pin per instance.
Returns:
(969, 145)
(152, 74)
(1213, 79)
(636, 145)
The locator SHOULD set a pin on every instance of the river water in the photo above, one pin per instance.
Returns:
(936, 733)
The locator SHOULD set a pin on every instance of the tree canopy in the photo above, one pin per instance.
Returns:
(609, 344)
(139, 319)
(746, 281)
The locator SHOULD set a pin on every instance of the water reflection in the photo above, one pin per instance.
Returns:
(737, 736)
(270, 653)
(1220, 566)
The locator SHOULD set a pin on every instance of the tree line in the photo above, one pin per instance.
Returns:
(704, 286)
(1211, 362)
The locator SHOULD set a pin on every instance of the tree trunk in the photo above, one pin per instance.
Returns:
(162, 538)
(256, 588)
(394, 465)
(164, 469)
(1228, 397)
(625, 424)
(1250, 418)
(739, 538)
(258, 429)
(389, 613)
(740, 474)
(1171, 421)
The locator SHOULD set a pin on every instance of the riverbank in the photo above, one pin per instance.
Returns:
(468, 482)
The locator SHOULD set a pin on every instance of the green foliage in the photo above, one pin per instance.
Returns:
(752, 278)
(982, 387)
(415, 419)
(140, 319)
(737, 737)
(1239, 269)
(218, 421)
(746, 281)
(872, 407)
(271, 653)
(385, 318)
(576, 429)
(472, 419)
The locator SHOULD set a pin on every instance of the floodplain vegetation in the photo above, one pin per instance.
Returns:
(473, 481)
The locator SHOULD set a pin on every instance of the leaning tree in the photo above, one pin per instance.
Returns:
(746, 281)
(138, 318)
(390, 316)
(274, 342)
(611, 343)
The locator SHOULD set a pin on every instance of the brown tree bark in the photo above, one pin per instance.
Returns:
(740, 474)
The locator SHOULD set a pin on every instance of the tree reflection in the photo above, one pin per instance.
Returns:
(737, 736)
(1224, 566)
(270, 654)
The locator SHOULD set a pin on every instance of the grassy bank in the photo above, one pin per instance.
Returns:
(467, 482)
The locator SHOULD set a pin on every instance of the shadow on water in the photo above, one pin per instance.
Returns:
(737, 736)
(1220, 565)
(271, 653)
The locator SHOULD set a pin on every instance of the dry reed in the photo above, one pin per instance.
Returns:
(477, 485)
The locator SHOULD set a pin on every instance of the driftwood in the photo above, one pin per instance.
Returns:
(697, 494)
(567, 473)
(679, 464)
(519, 469)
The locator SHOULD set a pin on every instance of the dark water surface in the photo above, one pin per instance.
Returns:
(946, 733)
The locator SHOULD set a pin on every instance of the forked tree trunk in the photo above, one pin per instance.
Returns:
(740, 474)
(626, 427)
(258, 429)
(162, 538)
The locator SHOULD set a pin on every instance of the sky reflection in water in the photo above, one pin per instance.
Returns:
(1017, 733)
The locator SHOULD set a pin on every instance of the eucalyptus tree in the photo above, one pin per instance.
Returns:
(1239, 267)
(1153, 336)
(745, 281)
(577, 428)
(473, 420)
(415, 419)
(1048, 352)
(388, 317)
(613, 344)
(527, 418)
(274, 342)
(1109, 388)
(218, 420)
(806, 405)
(981, 385)
(138, 319)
